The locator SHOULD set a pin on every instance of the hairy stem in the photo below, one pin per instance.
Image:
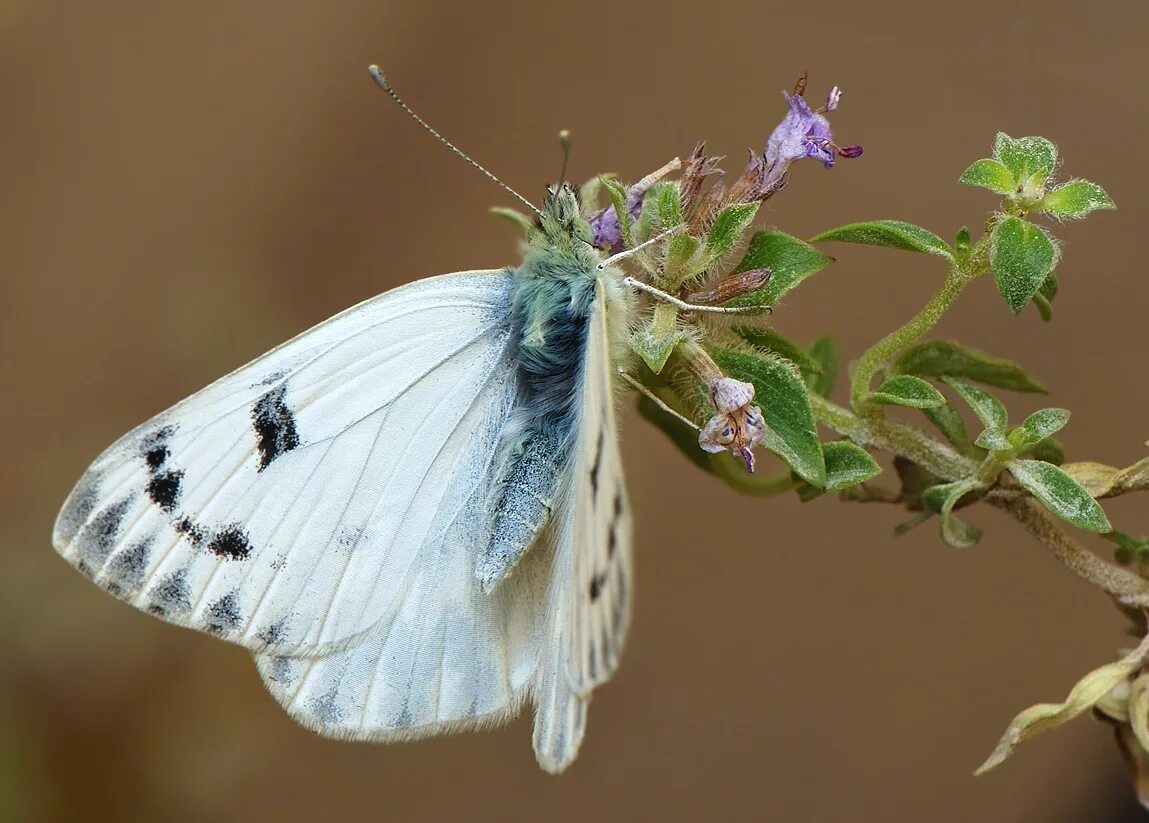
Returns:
(899, 438)
(875, 357)
(1122, 584)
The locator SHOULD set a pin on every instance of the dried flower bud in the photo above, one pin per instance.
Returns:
(729, 287)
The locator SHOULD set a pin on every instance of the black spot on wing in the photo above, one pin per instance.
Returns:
(164, 489)
(98, 537)
(283, 670)
(126, 568)
(172, 595)
(223, 615)
(185, 526)
(274, 426)
(230, 543)
(155, 447)
(273, 634)
(597, 584)
(325, 709)
(595, 467)
(79, 507)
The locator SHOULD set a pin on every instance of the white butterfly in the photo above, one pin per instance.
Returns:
(413, 514)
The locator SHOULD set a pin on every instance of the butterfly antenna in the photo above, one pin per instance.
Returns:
(381, 81)
(565, 142)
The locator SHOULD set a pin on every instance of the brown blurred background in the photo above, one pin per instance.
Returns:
(187, 184)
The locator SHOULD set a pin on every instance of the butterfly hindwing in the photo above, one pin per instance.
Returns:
(292, 505)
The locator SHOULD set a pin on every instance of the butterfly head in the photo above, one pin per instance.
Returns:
(562, 219)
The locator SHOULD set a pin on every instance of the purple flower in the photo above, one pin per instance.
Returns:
(803, 132)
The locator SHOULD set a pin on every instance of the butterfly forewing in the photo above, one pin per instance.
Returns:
(289, 506)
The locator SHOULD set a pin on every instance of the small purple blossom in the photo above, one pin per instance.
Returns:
(738, 425)
(803, 132)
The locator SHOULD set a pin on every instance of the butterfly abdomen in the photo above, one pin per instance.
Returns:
(554, 297)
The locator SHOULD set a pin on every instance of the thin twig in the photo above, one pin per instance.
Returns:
(1122, 584)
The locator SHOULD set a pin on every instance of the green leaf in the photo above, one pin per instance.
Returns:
(907, 390)
(989, 174)
(1060, 493)
(654, 348)
(616, 191)
(1076, 198)
(1049, 287)
(1026, 157)
(727, 229)
(515, 217)
(937, 358)
(848, 465)
(682, 247)
(995, 440)
(1044, 307)
(588, 195)
(1041, 424)
(791, 432)
(789, 259)
(1048, 450)
(942, 499)
(892, 234)
(950, 424)
(989, 410)
(668, 204)
(962, 241)
(825, 353)
(1022, 256)
(770, 341)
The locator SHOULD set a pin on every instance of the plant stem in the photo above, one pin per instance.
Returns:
(899, 438)
(875, 357)
(1122, 584)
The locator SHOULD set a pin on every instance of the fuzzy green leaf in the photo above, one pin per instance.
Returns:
(667, 204)
(1076, 198)
(682, 247)
(892, 234)
(942, 499)
(791, 431)
(950, 424)
(1048, 450)
(1022, 256)
(727, 229)
(1060, 493)
(962, 240)
(770, 341)
(1044, 307)
(1042, 423)
(989, 410)
(989, 174)
(994, 440)
(588, 195)
(789, 259)
(515, 217)
(848, 465)
(616, 191)
(907, 390)
(1026, 157)
(825, 353)
(938, 358)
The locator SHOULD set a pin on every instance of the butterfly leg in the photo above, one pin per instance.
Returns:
(682, 305)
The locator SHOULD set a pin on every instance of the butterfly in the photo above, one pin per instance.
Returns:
(413, 515)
